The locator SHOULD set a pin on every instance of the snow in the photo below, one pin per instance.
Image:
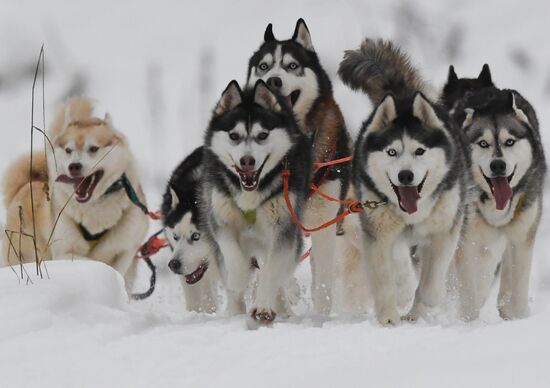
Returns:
(77, 329)
(158, 68)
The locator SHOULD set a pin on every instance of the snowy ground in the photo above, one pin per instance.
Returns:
(158, 68)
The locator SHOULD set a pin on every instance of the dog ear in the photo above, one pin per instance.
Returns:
(302, 36)
(452, 78)
(67, 119)
(264, 97)
(520, 114)
(108, 119)
(425, 112)
(469, 117)
(268, 34)
(485, 76)
(174, 198)
(385, 113)
(230, 99)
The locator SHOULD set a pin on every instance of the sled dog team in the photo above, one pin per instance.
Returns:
(458, 178)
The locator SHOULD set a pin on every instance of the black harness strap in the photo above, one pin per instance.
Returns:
(89, 236)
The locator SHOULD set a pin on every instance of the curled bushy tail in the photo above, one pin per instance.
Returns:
(17, 175)
(379, 68)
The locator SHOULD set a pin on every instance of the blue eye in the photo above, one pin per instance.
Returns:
(509, 142)
(391, 152)
(292, 65)
(263, 66)
(483, 144)
(196, 236)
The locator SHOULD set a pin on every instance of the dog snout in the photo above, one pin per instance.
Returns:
(275, 83)
(175, 266)
(405, 177)
(75, 169)
(498, 167)
(248, 162)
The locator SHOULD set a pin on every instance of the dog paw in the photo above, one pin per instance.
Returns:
(410, 317)
(263, 316)
(508, 313)
(388, 318)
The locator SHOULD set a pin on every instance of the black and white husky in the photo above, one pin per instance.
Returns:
(251, 137)
(408, 154)
(194, 257)
(508, 167)
(292, 68)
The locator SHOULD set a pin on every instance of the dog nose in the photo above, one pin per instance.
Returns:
(498, 167)
(275, 83)
(174, 265)
(247, 162)
(75, 169)
(405, 177)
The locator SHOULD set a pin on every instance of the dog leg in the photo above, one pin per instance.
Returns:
(322, 269)
(199, 297)
(272, 276)
(235, 271)
(436, 260)
(405, 278)
(378, 256)
(513, 297)
(475, 269)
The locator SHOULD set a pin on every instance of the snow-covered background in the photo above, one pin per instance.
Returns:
(158, 68)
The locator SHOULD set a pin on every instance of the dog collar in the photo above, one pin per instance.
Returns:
(249, 216)
(93, 239)
(117, 185)
(519, 206)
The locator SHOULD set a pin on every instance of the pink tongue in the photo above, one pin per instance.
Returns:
(501, 190)
(409, 196)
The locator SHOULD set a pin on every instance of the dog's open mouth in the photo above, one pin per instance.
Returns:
(408, 196)
(501, 189)
(83, 186)
(197, 274)
(292, 98)
(250, 178)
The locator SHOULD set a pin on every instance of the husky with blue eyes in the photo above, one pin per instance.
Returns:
(508, 167)
(409, 155)
(252, 137)
(194, 255)
(292, 68)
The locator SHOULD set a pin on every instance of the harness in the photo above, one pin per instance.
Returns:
(121, 183)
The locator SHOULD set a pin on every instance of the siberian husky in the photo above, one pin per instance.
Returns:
(408, 154)
(508, 167)
(251, 139)
(194, 257)
(82, 183)
(292, 68)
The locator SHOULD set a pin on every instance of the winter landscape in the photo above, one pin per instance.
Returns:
(159, 68)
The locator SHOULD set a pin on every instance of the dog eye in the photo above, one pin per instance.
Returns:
(391, 152)
(419, 151)
(175, 237)
(292, 65)
(483, 144)
(509, 142)
(196, 236)
(263, 135)
(234, 136)
(93, 149)
(263, 66)
(68, 151)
